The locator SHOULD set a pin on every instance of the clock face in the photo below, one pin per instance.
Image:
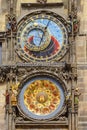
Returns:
(41, 97)
(41, 37)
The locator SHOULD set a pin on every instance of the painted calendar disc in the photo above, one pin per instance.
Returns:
(41, 98)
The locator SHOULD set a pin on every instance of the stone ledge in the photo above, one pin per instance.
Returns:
(82, 118)
(82, 128)
(84, 123)
(34, 1)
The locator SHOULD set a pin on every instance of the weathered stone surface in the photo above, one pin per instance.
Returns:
(2, 109)
(34, 1)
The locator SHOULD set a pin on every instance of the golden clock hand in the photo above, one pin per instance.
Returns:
(47, 24)
(44, 31)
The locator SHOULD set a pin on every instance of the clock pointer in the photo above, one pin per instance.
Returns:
(44, 31)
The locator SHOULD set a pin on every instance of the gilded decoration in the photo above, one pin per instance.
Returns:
(42, 97)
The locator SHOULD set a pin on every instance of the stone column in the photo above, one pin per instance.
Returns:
(18, 9)
(7, 106)
(9, 5)
(14, 6)
(76, 117)
(7, 119)
(69, 5)
(70, 115)
(10, 111)
(13, 122)
(73, 110)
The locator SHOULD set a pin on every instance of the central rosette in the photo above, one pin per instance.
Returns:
(42, 97)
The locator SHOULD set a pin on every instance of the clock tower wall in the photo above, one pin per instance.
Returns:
(76, 56)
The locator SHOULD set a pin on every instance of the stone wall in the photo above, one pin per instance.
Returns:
(44, 128)
(81, 51)
(2, 107)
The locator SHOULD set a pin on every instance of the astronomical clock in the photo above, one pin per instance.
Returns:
(39, 69)
(41, 84)
(42, 36)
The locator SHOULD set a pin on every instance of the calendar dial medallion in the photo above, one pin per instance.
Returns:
(41, 97)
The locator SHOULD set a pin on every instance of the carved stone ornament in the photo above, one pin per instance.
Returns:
(42, 1)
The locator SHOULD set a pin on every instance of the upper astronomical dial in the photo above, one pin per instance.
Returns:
(41, 37)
